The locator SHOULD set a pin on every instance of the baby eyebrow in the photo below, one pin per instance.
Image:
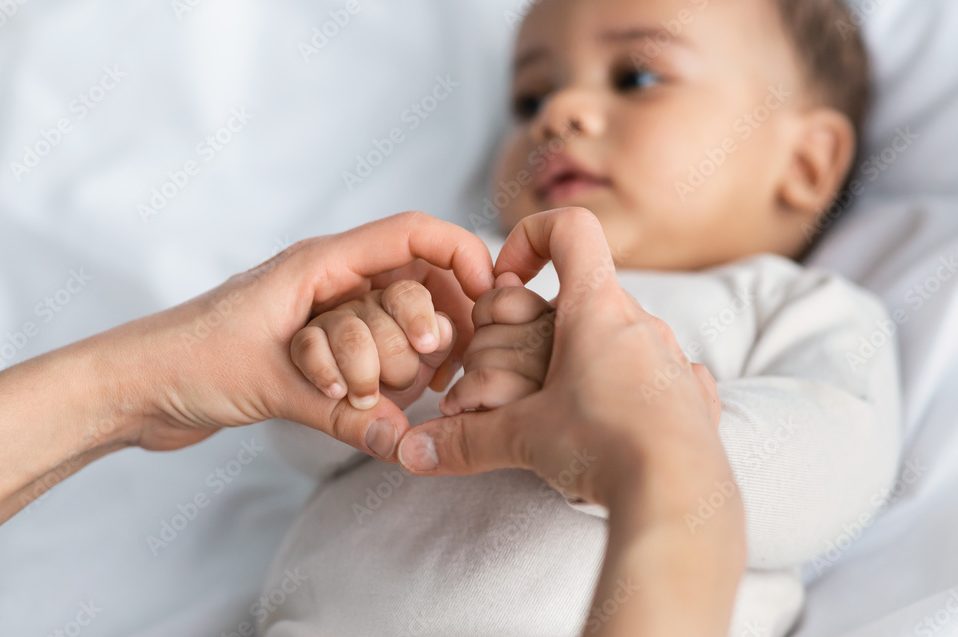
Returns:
(529, 57)
(631, 34)
(612, 36)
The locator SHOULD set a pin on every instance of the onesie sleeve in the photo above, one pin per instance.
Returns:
(811, 422)
(812, 427)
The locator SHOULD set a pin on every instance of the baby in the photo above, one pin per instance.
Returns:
(711, 139)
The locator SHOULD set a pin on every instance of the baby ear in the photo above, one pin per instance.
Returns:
(822, 156)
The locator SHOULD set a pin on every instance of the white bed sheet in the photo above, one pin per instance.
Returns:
(141, 84)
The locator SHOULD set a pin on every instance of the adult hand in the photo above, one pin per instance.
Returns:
(623, 419)
(223, 359)
(240, 372)
(617, 380)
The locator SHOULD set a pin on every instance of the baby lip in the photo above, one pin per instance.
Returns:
(567, 179)
(564, 171)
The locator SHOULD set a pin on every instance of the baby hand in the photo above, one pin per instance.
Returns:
(393, 336)
(510, 353)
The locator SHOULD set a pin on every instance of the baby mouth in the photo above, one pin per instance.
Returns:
(569, 185)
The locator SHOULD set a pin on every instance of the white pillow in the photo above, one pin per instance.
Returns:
(914, 48)
(189, 63)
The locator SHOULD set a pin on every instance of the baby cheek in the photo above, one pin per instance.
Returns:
(652, 164)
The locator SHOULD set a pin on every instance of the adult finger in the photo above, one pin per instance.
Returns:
(469, 443)
(570, 237)
(376, 431)
(449, 299)
(348, 259)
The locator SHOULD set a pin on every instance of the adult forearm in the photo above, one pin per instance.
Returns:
(662, 575)
(663, 582)
(58, 413)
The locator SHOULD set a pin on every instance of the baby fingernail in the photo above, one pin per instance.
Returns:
(381, 438)
(418, 453)
(336, 391)
(364, 403)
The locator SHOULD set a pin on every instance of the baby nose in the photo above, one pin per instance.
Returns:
(568, 114)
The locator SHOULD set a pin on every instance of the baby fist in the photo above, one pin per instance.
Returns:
(509, 356)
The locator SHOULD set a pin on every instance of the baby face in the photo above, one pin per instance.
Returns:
(672, 120)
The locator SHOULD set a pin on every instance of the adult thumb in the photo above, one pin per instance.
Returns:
(376, 431)
(468, 443)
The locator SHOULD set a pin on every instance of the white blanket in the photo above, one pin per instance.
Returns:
(135, 90)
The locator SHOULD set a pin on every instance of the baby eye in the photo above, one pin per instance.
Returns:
(526, 106)
(636, 79)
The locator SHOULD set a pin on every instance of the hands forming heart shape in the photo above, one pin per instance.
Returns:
(579, 403)
(309, 335)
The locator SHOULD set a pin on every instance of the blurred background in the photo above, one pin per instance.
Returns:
(149, 149)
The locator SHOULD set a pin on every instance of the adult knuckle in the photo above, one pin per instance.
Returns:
(404, 291)
(522, 452)
(463, 447)
(413, 216)
(337, 427)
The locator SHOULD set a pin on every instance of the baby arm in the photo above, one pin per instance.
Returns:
(812, 427)
(509, 355)
(391, 340)
(812, 430)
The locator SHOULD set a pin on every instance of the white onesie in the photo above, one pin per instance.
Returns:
(808, 380)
